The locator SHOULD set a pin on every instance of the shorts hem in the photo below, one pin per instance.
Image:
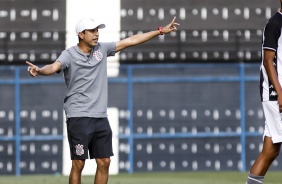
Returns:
(276, 140)
(107, 156)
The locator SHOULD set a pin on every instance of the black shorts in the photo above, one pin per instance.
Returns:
(93, 135)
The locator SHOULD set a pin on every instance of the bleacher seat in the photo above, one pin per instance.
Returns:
(7, 161)
(41, 157)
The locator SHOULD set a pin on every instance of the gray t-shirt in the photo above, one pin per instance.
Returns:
(86, 80)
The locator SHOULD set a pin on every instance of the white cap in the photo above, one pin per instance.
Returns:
(89, 23)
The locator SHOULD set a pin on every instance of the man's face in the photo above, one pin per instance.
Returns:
(91, 36)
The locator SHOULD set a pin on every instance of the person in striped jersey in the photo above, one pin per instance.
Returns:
(271, 97)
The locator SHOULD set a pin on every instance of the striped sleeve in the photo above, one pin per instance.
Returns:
(272, 33)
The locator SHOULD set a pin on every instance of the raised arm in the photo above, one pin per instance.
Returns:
(45, 70)
(141, 38)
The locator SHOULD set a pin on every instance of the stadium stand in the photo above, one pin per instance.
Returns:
(177, 109)
(203, 26)
(37, 156)
(31, 30)
(210, 31)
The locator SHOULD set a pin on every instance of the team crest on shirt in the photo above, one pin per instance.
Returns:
(79, 149)
(98, 55)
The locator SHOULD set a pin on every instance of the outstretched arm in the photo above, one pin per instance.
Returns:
(45, 70)
(141, 38)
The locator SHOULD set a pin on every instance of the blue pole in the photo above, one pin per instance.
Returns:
(17, 121)
(130, 120)
(243, 118)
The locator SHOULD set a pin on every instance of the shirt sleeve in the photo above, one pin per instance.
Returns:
(110, 48)
(272, 33)
(64, 59)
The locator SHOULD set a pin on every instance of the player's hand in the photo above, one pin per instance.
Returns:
(32, 69)
(170, 27)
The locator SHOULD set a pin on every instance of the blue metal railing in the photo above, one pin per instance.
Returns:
(17, 82)
(130, 80)
(241, 78)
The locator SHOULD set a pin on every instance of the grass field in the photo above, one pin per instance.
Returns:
(149, 178)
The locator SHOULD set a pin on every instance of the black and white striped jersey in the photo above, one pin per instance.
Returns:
(272, 40)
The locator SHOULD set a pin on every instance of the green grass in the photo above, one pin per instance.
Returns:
(149, 178)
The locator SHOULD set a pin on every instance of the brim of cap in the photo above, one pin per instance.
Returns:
(101, 26)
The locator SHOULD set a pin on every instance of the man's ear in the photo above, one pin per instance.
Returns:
(80, 35)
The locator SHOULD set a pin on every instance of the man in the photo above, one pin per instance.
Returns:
(85, 102)
(271, 96)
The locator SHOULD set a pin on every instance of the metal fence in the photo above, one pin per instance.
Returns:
(128, 78)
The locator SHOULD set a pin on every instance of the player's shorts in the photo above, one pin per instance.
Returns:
(273, 121)
(93, 135)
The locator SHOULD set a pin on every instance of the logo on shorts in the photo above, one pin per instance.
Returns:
(98, 55)
(79, 149)
(273, 93)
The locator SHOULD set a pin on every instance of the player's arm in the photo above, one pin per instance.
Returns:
(141, 38)
(268, 58)
(45, 70)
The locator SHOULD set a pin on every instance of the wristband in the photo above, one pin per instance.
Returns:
(161, 30)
